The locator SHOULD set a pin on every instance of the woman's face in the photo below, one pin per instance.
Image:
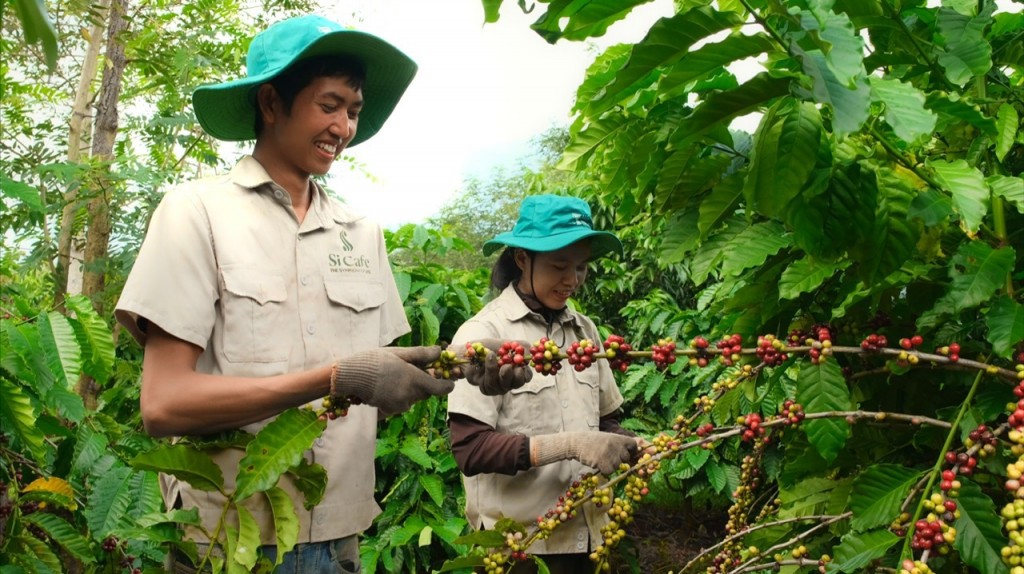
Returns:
(554, 276)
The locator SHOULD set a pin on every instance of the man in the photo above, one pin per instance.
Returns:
(254, 292)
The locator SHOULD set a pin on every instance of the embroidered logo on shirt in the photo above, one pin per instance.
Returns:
(345, 244)
(345, 263)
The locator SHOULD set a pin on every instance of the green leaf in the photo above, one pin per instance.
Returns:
(99, 341)
(878, 493)
(29, 196)
(63, 355)
(967, 185)
(807, 274)
(38, 27)
(485, 538)
(856, 550)
(184, 463)
(754, 245)
(462, 562)
(719, 108)
(34, 554)
(430, 326)
(716, 475)
(719, 204)
(711, 57)
(230, 541)
(681, 236)
(286, 521)
(18, 413)
(977, 272)
(979, 533)
(845, 54)
(850, 105)
(667, 41)
(887, 242)
(931, 206)
(416, 452)
(785, 151)
(583, 144)
(1007, 122)
(248, 545)
(1005, 320)
(950, 105)
(581, 20)
(904, 108)
(1009, 188)
(822, 388)
(434, 485)
(276, 448)
(965, 53)
(61, 532)
(310, 479)
(112, 494)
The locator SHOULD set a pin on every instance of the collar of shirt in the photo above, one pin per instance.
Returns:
(249, 173)
(515, 309)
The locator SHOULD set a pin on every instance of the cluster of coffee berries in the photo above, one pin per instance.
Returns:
(1013, 512)
(494, 563)
(511, 353)
(874, 342)
(770, 350)
(730, 348)
(704, 430)
(476, 353)
(701, 358)
(665, 443)
(963, 463)
(951, 350)
(704, 403)
(933, 534)
(900, 526)
(545, 357)
(984, 438)
(943, 506)
(663, 353)
(516, 546)
(336, 407)
(581, 354)
(445, 364)
(110, 544)
(754, 428)
(914, 567)
(792, 412)
(821, 346)
(949, 483)
(616, 349)
(909, 343)
(567, 505)
(1016, 419)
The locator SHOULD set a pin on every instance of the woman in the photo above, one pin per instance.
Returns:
(520, 451)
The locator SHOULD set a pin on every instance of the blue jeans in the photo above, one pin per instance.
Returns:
(339, 556)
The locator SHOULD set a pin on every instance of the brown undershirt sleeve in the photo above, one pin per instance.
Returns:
(610, 423)
(478, 448)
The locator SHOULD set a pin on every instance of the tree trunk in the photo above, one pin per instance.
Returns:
(68, 276)
(97, 237)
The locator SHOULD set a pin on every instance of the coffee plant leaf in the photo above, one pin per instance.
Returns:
(451, 528)
(34, 555)
(709, 255)
(112, 495)
(754, 245)
(416, 452)
(808, 497)
(597, 133)
(979, 535)
(963, 51)
(189, 516)
(184, 463)
(850, 104)
(434, 485)
(715, 472)
(1007, 122)
(785, 150)
(60, 347)
(977, 272)
(952, 108)
(60, 531)
(931, 206)
(542, 567)
(230, 543)
(666, 43)
(462, 562)
(878, 493)
(719, 204)
(1009, 188)
(887, 241)
(699, 177)
(276, 448)
(490, 538)
(95, 338)
(709, 58)
(904, 108)
(720, 107)
(310, 479)
(1005, 320)
(857, 549)
(286, 521)
(248, 542)
(19, 417)
(580, 21)
(967, 186)
(652, 384)
(412, 527)
(681, 237)
(807, 274)
(822, 388)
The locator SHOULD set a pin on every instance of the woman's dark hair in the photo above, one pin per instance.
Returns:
(505, 270)
(295, 78)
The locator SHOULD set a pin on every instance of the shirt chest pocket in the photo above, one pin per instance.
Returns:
(589, 388)
(255, 318)
(355, 312)
(533, 408)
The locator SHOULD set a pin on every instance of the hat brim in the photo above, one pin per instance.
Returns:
(601, 242)
(227, 110)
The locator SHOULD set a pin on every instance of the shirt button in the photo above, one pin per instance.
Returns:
(579, 545)
(304, 280)
(320, 518)
(580, 536)
(278, 193)
(311, 328)
(565, 404)
(320, 441)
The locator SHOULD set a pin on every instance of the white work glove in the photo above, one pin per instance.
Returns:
(391, 379)
(604, 451)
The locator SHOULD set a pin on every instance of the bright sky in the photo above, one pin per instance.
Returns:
(481, 94)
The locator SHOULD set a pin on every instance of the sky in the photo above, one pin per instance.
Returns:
(482, 93)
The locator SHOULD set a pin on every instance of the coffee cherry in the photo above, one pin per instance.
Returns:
(663, 353)
(617, 352)
(581, 354)
(545, 357)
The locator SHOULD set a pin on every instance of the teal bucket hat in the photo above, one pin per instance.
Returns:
(227, 111)
(551, 222)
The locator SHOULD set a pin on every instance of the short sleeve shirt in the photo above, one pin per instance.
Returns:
(567, 401)
(227, 266)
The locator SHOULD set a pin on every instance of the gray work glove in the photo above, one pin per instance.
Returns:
(604, 451)
(489, 377)
(391, 379)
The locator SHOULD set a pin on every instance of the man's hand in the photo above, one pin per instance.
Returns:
(391, 379)
(604, 451)
(489, 377)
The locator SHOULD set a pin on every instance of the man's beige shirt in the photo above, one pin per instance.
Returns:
(226, 266)
(568, 401)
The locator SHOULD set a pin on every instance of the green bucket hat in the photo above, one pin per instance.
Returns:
(227, 111)
(551, 222)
